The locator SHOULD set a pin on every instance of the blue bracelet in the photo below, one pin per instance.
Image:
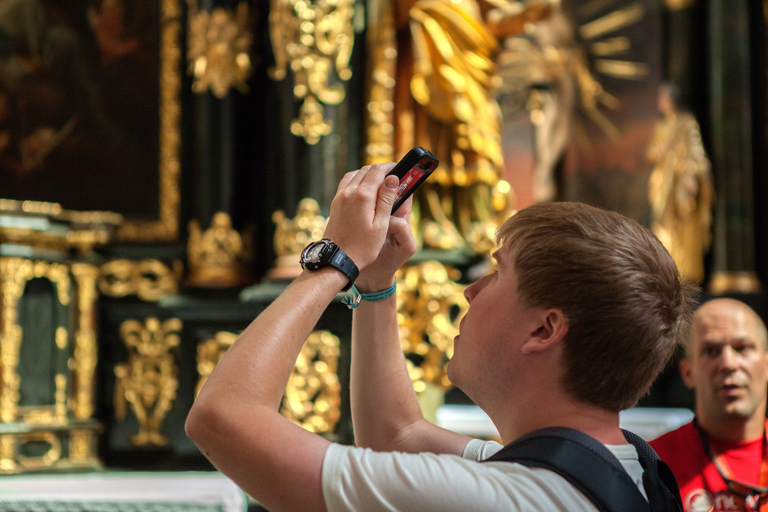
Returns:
(353, 299)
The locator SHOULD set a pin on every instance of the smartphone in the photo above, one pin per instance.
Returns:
(413, 169)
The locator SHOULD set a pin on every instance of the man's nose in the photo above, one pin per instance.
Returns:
(470, 292)
(729, 358)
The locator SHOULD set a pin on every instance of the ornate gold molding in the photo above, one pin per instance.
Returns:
(49, 458)
(85, 349)
(312, 37)
(430, 306)
(148, 380)
(734, 282)
(292, 235)
(219, 43)
(219, 256)
(313, 394)
(14, 274)
(148, 279)
(165, 228)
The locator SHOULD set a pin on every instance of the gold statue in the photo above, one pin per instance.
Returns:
(680, 188)
(450, 108)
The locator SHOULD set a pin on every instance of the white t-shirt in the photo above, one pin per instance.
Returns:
(361, 480)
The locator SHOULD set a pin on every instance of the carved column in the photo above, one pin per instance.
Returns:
(731, 124)
(313, 103)
(220, 37)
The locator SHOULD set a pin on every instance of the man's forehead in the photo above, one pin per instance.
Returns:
(724, 323)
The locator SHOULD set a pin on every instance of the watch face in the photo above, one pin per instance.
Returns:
(314, 255)
(314, 252)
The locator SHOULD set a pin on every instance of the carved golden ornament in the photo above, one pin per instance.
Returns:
(292, 235)
(85, 351)
(167, 226)
(219, 43)
(148, 380)
(430, 307)
(149, 279)
(314, 38)
(14, 274)
(313, 395)
(380, 126)
(209, 354)
(219, 256)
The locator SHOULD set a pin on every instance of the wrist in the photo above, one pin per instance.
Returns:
(353, 299)
(373, 285)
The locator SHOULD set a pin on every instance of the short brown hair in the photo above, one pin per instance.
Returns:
(627, 307)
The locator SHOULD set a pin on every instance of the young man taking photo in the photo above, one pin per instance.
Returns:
(584, 310)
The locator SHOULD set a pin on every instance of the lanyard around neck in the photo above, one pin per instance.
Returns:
(754, 495)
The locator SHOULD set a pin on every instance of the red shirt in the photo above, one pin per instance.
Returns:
(701, 486)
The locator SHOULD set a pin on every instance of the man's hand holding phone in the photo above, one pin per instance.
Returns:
(370, 217)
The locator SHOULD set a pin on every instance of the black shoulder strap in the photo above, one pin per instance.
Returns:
(658, 480)
(590, 467)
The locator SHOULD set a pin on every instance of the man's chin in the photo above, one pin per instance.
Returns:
(738, 410)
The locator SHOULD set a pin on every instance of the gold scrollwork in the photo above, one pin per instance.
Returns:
(219, 43)
(167, 226)
(14, 274)
(292, 235)
(149, 279)
(430, 307)
(209, 354)
(219, 256)
(313, 394)
(148, 380)
(313, 37)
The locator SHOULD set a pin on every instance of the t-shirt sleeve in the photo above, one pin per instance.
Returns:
(478, 450)
(356, 479)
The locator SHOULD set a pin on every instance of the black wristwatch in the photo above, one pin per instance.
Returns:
(325, 253)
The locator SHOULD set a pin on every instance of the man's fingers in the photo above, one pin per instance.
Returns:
(387, 195)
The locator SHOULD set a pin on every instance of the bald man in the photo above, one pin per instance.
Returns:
(719, 459)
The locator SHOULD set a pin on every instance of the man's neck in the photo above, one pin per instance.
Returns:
(599, 423)
(732, 428)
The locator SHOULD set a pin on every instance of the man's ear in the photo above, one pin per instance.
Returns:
(550, 331)
(686, 373)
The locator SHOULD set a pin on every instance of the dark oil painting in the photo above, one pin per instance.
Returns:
(79, 104)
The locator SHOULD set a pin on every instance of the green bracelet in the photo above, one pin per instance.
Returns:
(353, 299)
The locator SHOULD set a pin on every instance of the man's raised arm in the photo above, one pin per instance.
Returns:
(385, 411)
(235, 421)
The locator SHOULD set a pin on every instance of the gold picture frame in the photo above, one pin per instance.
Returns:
(90, 111)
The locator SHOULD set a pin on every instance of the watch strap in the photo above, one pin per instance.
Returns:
(339, 260)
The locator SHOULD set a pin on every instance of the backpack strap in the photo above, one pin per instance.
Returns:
(659, 481)
(590, 467)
